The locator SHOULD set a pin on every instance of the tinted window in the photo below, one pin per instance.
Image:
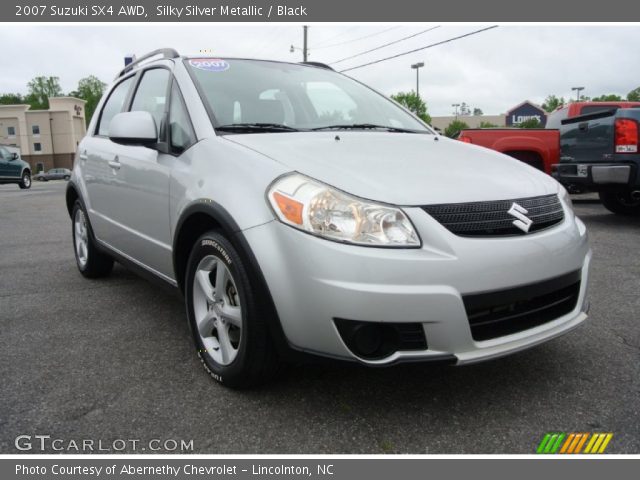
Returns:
(114, 105)
(181, 135)
(151, 94)
(597, 108)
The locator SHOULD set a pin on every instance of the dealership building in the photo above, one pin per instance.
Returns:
(520, 113)
(46, 138)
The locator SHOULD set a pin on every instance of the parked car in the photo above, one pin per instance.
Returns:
(297, 210)
(13, 169)
(599, 152)
(53, 174)
(537, 147)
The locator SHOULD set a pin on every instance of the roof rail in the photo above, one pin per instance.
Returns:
(165, 52)
(317, 64)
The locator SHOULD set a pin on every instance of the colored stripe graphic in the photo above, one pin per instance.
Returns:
(573, 443)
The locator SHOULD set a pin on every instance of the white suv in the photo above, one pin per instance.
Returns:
(300, 211)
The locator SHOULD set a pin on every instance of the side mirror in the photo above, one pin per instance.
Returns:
(14, 156)
(133, 128)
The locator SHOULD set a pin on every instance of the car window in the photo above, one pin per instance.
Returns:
(113, 105)
(181, 134)
(597, 108)
(4, 153)
(151, 95)
(299, 96)
(554, 120)
(331, 104)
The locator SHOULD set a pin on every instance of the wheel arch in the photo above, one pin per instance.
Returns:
(71, 195)
(204, 215)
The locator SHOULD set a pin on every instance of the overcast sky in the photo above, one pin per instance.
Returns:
(494, 70)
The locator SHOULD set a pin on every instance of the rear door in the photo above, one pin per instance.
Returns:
(103, 180)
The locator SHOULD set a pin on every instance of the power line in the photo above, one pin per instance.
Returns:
(386, 44)
(344, 32)
(421, 48)
(356, 39)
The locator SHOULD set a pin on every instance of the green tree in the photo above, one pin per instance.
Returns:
(11, 99)
(413, 102)
(90, 89)
(477, 111)
(487, 125)
(634, 95)
(551, 103)
(611, 97)
(453, 129)
(531, 123)
(40, 89)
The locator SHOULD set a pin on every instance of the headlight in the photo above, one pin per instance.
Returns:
(321, 210)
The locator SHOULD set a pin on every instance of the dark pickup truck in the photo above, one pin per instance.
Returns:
(599, 152)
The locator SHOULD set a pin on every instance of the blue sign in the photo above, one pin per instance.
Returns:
(526, 111)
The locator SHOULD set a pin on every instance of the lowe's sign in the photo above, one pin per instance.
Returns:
(526, 111)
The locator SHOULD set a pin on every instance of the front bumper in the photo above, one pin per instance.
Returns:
(314, 281)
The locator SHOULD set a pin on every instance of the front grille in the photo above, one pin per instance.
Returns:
(500, 313)
(487, 219)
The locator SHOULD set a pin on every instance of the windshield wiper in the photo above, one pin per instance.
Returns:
(365, 126)
(256, 127)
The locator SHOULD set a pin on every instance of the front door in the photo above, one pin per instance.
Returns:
(145, 173)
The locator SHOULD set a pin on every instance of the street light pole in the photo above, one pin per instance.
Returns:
(577, 90)
(456, 105)
(417, 67)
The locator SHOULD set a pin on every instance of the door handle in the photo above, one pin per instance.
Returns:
(583, 127)
(83, 156)
(115, 163)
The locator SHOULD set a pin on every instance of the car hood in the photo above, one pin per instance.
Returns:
(401, 168)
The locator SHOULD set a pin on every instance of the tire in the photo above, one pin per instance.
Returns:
(25, 182)
(620, 202)
(229, 327)
(92, 263)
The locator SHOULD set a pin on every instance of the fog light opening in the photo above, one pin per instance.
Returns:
(376, 340)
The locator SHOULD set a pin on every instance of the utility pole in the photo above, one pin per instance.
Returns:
(577, 90)
(417, 67)
(305, 50)
(456, 105)
(304, 43)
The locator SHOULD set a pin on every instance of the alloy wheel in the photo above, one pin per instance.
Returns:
(217, 310)
(81, 238)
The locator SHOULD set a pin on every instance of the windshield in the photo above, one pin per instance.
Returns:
(296, 96)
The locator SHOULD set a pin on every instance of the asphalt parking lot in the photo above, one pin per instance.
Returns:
(113, 359)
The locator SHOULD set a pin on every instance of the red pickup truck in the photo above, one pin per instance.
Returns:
(538, 147)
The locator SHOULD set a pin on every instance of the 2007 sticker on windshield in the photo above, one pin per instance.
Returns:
(209, 64)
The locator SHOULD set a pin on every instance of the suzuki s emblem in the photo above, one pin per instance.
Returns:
(523, 222)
